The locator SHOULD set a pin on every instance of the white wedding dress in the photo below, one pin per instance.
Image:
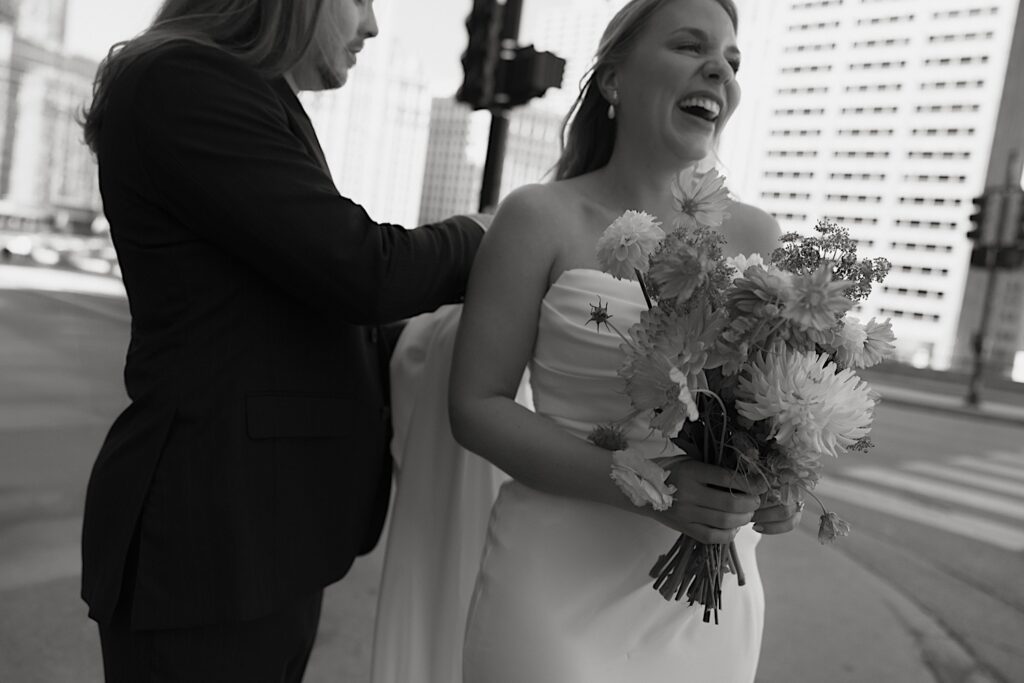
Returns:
(563, 593)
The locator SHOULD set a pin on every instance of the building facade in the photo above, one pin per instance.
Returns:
(374, 132)
(878, 115)
(47, 175)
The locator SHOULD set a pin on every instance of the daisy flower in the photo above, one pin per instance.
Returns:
(702, 199)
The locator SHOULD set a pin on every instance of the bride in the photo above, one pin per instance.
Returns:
(562, 591)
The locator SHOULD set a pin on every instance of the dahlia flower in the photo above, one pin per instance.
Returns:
(627, 244)
(817, 301)
(811, 408)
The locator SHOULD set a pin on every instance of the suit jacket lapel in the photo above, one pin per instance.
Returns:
(299, 123)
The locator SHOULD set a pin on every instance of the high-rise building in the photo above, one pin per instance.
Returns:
(455, 161)
(878, 115)
(47, 175)
(457, 149)
(374, 131)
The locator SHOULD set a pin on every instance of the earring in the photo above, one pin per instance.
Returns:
(611, 112)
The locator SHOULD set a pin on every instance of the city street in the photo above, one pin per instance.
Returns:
(936, 509)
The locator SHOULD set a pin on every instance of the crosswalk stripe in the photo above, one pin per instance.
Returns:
(960, 523)
(1008, 458)
(989, 502)
(977, 463)
(962, 476)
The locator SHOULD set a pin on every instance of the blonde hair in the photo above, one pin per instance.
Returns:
(271, 36)
(588, 135)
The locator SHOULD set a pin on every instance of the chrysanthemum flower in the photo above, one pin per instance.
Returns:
(702, 199)
(831, 528)
(811, 408)
(818, 301)
(642, 480)
(627, 244)
(741, 262)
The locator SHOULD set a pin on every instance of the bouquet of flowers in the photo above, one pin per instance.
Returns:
(741, 363)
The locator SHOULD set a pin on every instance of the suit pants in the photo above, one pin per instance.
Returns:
(273, 649)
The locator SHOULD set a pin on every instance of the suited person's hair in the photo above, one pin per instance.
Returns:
(271, 36)
(588, 135)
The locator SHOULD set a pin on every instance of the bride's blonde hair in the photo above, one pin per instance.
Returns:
(271, 36)
(588, 135)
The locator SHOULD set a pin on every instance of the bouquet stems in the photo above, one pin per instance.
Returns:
(696, 570)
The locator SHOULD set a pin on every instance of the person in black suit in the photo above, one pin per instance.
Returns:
(251, 466)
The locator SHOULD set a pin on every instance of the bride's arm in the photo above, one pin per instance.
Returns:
(495, 341)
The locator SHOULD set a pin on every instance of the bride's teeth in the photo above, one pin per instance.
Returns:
(704, 103)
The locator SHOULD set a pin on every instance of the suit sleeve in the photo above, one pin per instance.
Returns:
(215, 143)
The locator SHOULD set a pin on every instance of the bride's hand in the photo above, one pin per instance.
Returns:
(778, 518)
(711, 502)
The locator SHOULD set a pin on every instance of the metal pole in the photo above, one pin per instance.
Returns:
(490, 187)
(1011, 185)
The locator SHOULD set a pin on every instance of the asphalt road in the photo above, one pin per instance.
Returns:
(936, 507)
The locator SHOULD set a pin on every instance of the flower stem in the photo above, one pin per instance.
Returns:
(643, 288)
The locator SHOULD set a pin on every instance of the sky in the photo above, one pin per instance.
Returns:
(433, 30)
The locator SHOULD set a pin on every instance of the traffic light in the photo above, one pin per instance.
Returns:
(528, 75)
(978, 218)
(480, 60)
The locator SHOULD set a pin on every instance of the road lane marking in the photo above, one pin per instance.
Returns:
(962, 476)
(989, 502)
(977, 463)
(1008, 458)
(960, 523)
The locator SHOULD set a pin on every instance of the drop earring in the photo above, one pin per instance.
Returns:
(611, 106)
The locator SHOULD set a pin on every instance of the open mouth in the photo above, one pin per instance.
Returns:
(701, 107)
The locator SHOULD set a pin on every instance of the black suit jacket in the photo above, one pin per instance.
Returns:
(252, 460)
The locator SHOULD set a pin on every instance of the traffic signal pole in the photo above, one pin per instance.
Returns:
(1003, 224)
(490, 187)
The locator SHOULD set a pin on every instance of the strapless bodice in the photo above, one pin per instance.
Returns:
(574, 370)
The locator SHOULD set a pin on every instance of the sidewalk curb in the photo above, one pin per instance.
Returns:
(81, 300)
(946, 657)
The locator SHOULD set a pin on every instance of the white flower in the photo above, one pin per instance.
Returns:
(627, 244)
(810, 407)
(863, 346)
(850, 340)
(685, 397)
(701, 199)
(741, 262)
(879, 345)
(642, 480)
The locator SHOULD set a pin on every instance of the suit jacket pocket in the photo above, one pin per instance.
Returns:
(282, 416)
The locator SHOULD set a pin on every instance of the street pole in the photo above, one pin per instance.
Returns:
(1011, 185)
(490, 187)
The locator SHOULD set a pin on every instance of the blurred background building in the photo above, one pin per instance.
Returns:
(47, 177)
(879, 115)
